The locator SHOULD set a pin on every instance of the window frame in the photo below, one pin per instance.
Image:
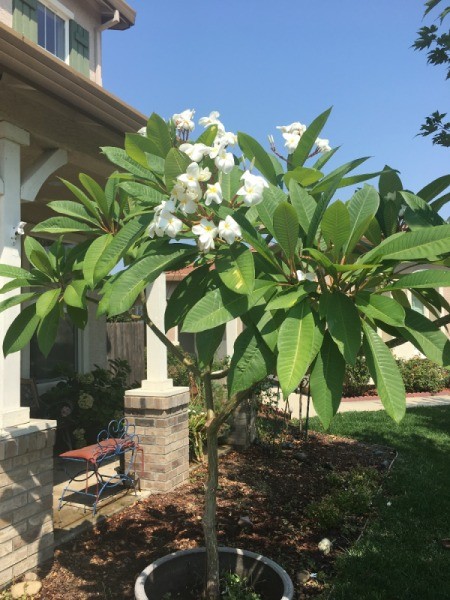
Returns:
(66, 15)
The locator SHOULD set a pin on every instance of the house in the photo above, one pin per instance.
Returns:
(54, 116)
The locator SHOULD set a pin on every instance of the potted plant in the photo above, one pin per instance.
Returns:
(315, 282)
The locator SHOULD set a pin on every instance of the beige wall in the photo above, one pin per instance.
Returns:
(6, 12)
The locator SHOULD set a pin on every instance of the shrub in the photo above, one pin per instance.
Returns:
(356, 378)
(422, 375)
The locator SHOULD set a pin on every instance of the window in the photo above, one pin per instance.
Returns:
(417, 305)
(51, 31)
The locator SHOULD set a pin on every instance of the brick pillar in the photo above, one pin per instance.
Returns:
(161, 420)
(26, 497)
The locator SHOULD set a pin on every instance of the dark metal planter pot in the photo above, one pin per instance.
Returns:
(185, 570)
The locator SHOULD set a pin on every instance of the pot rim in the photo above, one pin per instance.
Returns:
(139, 588)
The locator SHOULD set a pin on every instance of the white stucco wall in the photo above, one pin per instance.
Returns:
(6, 12)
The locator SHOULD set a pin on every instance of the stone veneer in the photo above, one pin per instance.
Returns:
(161, 421)
(26, 497)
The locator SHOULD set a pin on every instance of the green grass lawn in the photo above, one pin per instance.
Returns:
(400, 556)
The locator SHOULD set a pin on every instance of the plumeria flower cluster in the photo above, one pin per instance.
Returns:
(292, 135)
(195, 191)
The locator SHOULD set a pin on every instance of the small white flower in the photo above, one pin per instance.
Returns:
(194, 174)
(229, 230)
(167, 206)
(183, 121)
(213, 194)
(188, 204)
(213, 119)
(301, 276)
(323, 145)
(196, 152)
(224, 160)
(253, 188)
(154, 228)
(292, 140)
(227, 138)
(296, 127)
(389, 503)
(207, 231)
(173, 225)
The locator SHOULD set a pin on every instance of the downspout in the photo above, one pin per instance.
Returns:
(98, 44)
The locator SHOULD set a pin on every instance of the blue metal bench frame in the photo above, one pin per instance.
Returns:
(118, 440)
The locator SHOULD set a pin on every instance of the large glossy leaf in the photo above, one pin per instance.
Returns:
(47, 302)
(93, 255)
(138, 147)
(286, 228)
(58, 225)
(304, 205)
(176, 164)
(382, 308)
(266, 209)
(254, 151)
(326, 381)
(335, 226)
(254, 239)
(75, 294)
(344, 325)
(207, 343)
(187, 293)
(422, 243)
(96, 192)
(119, 157)
(230, 183)
(38, 257)
(215, 308)
(251, 362)
(429, 278)
(418, 213)
(440, 202)
(389, 182)
(433, 189)
(319, 211)
(208, 136)
(143, 192)
(299, 340)
(13, 272)
(73, 209)
(48, 330)
(385, 373)
(90, 206)
(303, 175)
(236, 268)
(336, 176)
(426, 337)
(158, 133)
(15, 300)
(307, 141)
(129, 283)
(287, 298)
(21, 330)
(362, 208)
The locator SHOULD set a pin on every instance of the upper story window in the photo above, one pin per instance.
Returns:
(51, 25)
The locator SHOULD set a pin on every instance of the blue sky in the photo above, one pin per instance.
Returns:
(263, 63)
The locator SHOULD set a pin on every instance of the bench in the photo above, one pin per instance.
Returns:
(117, 441)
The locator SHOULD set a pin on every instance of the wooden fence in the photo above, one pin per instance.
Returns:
(127, 341)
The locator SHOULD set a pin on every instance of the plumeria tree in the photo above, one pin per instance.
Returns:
(316, 281)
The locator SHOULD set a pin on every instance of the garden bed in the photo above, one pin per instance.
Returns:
(280, 490)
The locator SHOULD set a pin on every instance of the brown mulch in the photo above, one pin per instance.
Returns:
(272, 488)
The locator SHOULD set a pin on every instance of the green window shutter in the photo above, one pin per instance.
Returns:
(25, 18)
(79, 48)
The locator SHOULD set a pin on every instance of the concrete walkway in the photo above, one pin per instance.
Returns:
(358, 404)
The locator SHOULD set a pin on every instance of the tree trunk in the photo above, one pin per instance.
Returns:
(209, 516)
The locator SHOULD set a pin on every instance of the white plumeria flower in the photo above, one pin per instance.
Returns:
(178, 192)
(292, 140)
(188, 204)
(229, 230)
(213, 119)
(171, 224)
(196, 152)
(207, 231)
(301, 276)
(227, 138)
(194, 174)
(295, 127)
(224, 160)
(253, 188)
(183, 121)
(323, 145)
(167, 206)
(155, 228)
(213, 194)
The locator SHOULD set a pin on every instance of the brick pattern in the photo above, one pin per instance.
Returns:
(26, 497)
(162, 426)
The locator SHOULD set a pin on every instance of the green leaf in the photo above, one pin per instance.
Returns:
(287, 298)
(373, 232)
(143, 192)
(187, 293)
(389, 182)
(129, 283)
(304, 205)
(90, 206)
(335, 226)
(236, 269)
(299, 340)
(422, 243)
(362, 208)
(208, 136)
(253, 150)
(176, 164)
(251, 362)
(93, 255)
(14, 300)
(308, 140)
(426, 337)
(319, 211)
(230, 183)
(303, 175)
(429, 278)
(13, 272)
(440, 202)
(75, 294)
(326, 381)
(336, 176)
(323, 260)
(286, 228)
(215, 308)
(119, 157)
(324, 158)
(96, 192)
(37, 256)
(138, 147)
(382, 308)
(58, 225)
(344, 325)
(419, 213)
(254, 238)
(78, 316)
(207, 343)
(73, 209)
(272, 196)
(385, 373)
(21, 330)
(433, 189)
(47, 302)
(158, 133)
(48, 330)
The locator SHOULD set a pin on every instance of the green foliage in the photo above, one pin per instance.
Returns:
(235, 587)
(356, 378)
(422, 375)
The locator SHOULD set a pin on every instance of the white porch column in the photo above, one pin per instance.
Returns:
(11, 139)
